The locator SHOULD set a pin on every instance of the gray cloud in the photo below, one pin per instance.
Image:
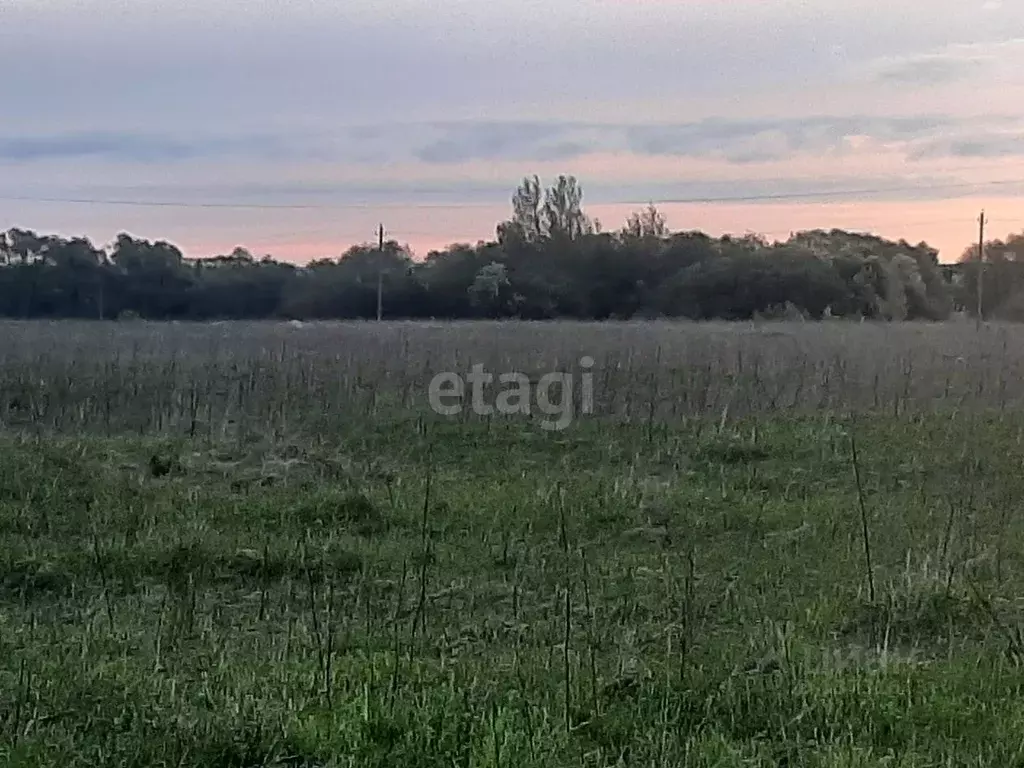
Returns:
(1004, 146)
(930, 70)
(233, 64)
(136, 148)
(736, 141)
(950, 64)
(745, 141)
(982, 146)
(505, 140)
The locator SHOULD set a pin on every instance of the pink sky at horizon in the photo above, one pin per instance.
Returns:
(332, 223)
(951, 226)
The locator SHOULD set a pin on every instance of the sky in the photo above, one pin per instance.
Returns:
(295, 128)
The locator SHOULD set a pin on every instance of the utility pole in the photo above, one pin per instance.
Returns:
(380, 273)
(981, 265)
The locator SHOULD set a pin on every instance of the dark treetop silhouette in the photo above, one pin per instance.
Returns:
(549, 260)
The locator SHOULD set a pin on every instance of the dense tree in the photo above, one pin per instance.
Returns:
(154, 281)
(447, 276)
(539, 218)
(528, 224)
(490, 291)
(347, 287)
(889, 280)
(746, 283)
(648, 223)
(549, 260)
(563, 212)
(1003, 283)
(237, 286)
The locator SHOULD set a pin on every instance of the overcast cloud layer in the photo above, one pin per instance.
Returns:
(427, 115)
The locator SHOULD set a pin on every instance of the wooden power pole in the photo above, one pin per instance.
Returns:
(981, 265)
(380, 273)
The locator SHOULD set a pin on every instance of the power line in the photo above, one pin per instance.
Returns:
(824, 193)
(766, 197)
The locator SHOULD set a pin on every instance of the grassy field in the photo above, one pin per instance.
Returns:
(255, 544)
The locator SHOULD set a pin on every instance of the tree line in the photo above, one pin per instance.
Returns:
(548, 260)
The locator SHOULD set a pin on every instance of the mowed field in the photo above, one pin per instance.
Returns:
(256, 544)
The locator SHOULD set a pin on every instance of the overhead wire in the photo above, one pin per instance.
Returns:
(694, 200)
(413, 205)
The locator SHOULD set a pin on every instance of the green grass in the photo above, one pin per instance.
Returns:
(714, 588)
(392, 588)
